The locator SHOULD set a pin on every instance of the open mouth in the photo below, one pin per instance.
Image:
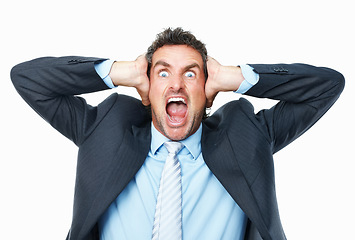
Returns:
(176, 109)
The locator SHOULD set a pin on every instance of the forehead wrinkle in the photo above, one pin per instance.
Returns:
(165, 64)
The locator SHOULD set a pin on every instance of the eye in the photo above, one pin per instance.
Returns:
(163, 74)
(190, 74)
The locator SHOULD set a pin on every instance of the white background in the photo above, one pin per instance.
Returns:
(314, 175)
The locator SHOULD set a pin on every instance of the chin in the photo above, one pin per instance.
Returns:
(176, 134)
(181, 132)
(176, 131)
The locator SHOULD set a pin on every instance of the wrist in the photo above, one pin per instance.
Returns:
(232, 77)
(103, 69)
(251, 78)
(121, 73)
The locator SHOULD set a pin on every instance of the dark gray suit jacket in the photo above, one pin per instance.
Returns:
(237, 144)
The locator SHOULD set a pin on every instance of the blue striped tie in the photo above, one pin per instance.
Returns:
(167, 219)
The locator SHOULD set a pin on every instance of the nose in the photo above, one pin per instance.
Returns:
(176, 83)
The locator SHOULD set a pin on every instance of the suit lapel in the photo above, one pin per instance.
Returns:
(128, 160)
(220, 158)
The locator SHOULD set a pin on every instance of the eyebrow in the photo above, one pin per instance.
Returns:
(165, 64)
(193, 65)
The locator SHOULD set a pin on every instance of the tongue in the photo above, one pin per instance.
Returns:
(176, 111)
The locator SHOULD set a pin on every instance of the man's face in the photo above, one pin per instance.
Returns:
(177, 91)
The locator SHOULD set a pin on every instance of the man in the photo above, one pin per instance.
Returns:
(227, 181)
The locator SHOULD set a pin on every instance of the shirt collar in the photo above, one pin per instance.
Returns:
(192, 143)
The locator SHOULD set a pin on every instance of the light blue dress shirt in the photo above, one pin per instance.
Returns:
(208, 211)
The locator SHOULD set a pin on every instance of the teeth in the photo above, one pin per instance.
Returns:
(177, 99)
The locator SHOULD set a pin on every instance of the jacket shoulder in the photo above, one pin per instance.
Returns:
(238, 118)
(123, 111)
(225, 114)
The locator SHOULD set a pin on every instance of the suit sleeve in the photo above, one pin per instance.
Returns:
(305, 93)
(50, 85)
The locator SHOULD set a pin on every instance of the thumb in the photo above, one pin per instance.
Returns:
(143, 91)
(209, 101)
(210, 95)
(144, 96)
(145, 101)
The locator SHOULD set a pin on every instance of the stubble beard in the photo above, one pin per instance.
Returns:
(190, 130)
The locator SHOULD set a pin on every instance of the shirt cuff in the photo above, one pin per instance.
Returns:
(250, 78)
(103, 69)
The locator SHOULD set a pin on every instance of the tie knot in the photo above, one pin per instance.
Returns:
(173, 147)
